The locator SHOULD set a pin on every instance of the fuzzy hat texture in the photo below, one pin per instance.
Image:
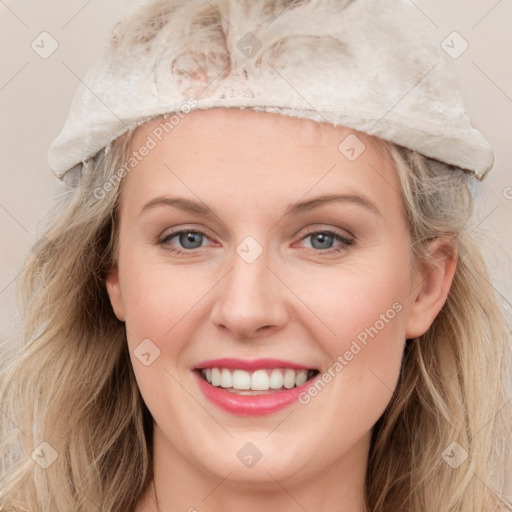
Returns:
(370, 66)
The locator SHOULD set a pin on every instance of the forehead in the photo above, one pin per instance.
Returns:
(256, 157)
(248, 124)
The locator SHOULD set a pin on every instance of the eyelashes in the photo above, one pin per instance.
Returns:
(166, 240)
(191, 236)
(344, 240)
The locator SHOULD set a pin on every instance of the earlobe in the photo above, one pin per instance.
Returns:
(432, 287)
(114, 293)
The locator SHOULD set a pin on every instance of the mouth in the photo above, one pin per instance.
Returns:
(255, 387)
(262, 381)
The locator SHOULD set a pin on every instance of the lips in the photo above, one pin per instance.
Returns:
(257, 387)
(256, 364)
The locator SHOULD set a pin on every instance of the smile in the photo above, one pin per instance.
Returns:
(253, 388)
(244, 382)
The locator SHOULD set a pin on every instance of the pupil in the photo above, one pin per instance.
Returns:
(324, 237)
(190, 237)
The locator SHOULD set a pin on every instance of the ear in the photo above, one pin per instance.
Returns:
(432, 286)
(114, 292)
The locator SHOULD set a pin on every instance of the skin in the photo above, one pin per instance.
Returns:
(294, 302)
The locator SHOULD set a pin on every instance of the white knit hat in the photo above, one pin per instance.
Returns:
(369, 65)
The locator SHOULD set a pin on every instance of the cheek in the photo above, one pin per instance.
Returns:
(157, 296)
(159, 310)
(362, 329)
(356, 302)
(361, 375)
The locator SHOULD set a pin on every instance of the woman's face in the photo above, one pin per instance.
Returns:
(264, 269)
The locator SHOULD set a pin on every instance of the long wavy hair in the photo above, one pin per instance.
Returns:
(71, 386)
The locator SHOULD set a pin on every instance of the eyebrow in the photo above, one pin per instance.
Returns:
(191, 206)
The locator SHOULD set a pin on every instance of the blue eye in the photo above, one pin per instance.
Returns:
(326, 238)
(191, 239)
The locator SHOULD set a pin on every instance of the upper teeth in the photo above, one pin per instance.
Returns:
(260, 380)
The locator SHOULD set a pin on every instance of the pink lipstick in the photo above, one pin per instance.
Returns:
(252, 402)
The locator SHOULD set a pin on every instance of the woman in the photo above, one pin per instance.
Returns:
(259, 290)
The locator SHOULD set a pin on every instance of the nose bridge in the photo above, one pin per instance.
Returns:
(251, 297)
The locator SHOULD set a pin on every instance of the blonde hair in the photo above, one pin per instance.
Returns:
(453, 383)
(72, 385)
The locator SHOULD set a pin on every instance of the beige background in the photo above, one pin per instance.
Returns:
(35, 94)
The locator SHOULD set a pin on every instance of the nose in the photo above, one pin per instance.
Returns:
(251, 301)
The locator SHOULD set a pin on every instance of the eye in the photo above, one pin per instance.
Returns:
(189, 239)
(321, 242)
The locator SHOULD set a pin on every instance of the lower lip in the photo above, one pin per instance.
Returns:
(251, 405)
